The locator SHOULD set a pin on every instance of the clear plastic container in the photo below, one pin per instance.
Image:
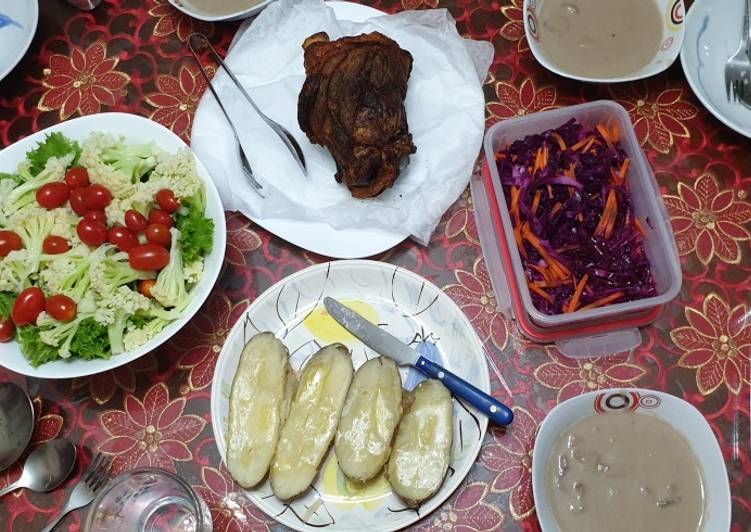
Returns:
(613, 328)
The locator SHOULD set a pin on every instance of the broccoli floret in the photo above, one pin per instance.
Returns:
(169, 289)
(55, 145)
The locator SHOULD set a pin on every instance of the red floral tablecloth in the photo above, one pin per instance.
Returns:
(129, 55)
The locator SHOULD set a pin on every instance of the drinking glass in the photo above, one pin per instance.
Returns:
(148, 500)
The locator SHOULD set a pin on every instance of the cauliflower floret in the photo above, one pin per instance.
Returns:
(67, 273)
(169, 289)
(194, 271)
(57, 333)
(25, 193)
(115, 311)
(178, 173)
(110, 271)
(117, 181)
(14, 269)
(136, 337)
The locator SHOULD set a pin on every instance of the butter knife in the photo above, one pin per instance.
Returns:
(390, 346)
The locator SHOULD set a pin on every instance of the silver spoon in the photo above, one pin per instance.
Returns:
(16, 423)
(46, 467)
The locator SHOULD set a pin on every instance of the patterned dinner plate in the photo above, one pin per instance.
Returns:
(410, 308)
(18, 24)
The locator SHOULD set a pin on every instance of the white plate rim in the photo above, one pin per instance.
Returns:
(222, 358)
(583, 403)
(693, 81)
(26, 43)
(73, 368)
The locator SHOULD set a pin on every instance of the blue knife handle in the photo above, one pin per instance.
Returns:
(495, 410)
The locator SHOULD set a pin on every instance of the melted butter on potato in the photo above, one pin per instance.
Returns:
(258, 406)
(312, 421)
(370, 416)
(422, 448)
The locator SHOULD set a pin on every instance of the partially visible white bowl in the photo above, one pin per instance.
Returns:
(135, 129)
(672, 39)
(241, 14)
(18, 24)
(682, 416)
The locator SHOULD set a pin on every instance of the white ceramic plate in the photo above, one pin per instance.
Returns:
(671, 41)
(681, 415)
(135, 129)
(320, 237)
(410, 308)
(185, 7)
(713, 31)
(18, 24)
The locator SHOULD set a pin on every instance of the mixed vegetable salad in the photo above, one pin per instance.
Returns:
(101, 244)
(580, 243)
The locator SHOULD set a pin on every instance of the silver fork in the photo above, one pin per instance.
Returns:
(738, 65)
(86, 489)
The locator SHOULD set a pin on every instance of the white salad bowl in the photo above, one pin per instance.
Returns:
(673, 13)
(681, 415)
(135, 129)
(186, 8)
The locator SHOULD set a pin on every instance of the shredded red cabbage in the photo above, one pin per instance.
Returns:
(573, 220)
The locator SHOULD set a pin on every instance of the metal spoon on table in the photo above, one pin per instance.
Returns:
(16, 423)
(46, 467)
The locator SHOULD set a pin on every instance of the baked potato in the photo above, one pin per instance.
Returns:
(370, 416)
(312, 421)
(258, 406)
(422, 447)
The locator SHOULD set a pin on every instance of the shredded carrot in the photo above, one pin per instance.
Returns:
(580, 218)
(581, 143)
(558, 269)
(550, 191)
(639, 226)
(538, 160)
(560, 141)
(514, 211)
(574, 303)
(592, 140)
(544, 156)
(520, 242)
(603, 301)
(605, 135)
(542, 293)
(608, 214)
(624, 169)
(556, 208)
(536, 200)
(500, 155)
(615, 132)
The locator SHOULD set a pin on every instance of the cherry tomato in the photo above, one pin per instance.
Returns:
(29, 304)
(9, 241)
(7, 329)
(61, 307)
(122, 238)
(148, 257)
(158, 216)
(135, 221)
(76, 201)
(159, 234)
(97, 197)
(91, 232)
(77, 177)
(166, 199)
(96, 216)
(53, 195)
(54, 245)
(145, 286)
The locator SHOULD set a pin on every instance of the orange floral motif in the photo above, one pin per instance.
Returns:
(103, 386)
(203, 338)
(83, 82)
(708, 221)
(572, 377)
(171, 20)
(517, 102)
(513, 30)
(178, 98)
(153, 432)
(462, 221)
(717, 343)
(241, 239)
(230, 511)
(657, 119)
(509, 457)
(474, 294)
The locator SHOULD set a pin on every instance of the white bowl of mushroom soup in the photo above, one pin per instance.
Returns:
(218, 10)
(604, 41)
(629, 459)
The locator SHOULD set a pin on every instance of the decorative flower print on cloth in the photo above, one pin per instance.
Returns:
(517, 102)
(462, 221)
(717, 343)
(103, 386)
(709, 221)
(170, 20)
(153, 432)
(241, 239)
(82, 82)
(513, 30)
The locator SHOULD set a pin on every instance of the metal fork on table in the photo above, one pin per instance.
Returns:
(86, 489)
(738, 66)
(199, 39)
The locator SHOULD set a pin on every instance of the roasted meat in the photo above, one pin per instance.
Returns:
(352, 102)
